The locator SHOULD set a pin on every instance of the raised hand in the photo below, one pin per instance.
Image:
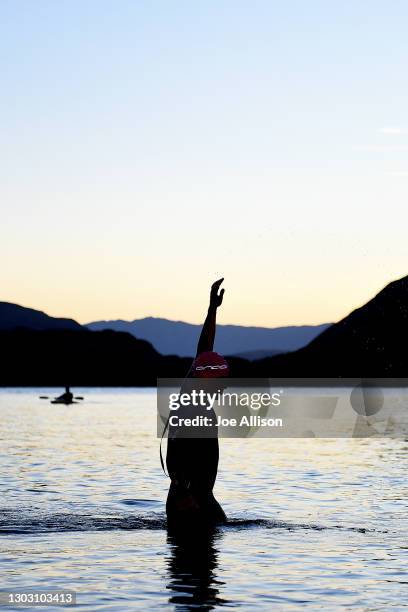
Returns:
(206, 340)
(215, 297)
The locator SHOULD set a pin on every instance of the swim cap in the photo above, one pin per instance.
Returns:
(210, 365)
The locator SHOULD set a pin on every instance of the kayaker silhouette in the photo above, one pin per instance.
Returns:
(192, 462)
(66, 397)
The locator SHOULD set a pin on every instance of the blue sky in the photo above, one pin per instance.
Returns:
(148, 147)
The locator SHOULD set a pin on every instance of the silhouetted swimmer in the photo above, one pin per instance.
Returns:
(192, 462)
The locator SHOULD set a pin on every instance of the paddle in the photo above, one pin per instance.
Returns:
(77, 397)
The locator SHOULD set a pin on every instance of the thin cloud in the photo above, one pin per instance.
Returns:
(381, 148)
(392, 131)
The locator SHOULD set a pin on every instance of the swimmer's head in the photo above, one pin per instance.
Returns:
(210, 365)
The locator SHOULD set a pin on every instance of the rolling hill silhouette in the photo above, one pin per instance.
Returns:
(370, 342)
(84, 358)
(179, 338)
(13, 316)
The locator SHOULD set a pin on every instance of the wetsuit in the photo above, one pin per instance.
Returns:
(192, 464)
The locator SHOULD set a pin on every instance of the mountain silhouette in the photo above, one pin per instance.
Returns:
(82, 358)
(370, 342)
(75, 357)
(254, 355)
(13, 316)
(179, 338)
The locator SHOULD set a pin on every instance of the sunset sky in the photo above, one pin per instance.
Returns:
(148, 147)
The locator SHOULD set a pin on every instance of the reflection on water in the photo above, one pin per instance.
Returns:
(315, 523)
(192, 564)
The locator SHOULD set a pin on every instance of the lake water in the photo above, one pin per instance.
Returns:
(315, 524)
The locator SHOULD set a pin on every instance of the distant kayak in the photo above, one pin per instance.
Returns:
(62, 401)
(66, 398)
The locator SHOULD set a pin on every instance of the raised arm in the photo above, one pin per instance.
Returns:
(207, 336)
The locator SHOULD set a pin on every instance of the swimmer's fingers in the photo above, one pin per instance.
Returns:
(215, 297)
(221, 296)
(216, 285)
